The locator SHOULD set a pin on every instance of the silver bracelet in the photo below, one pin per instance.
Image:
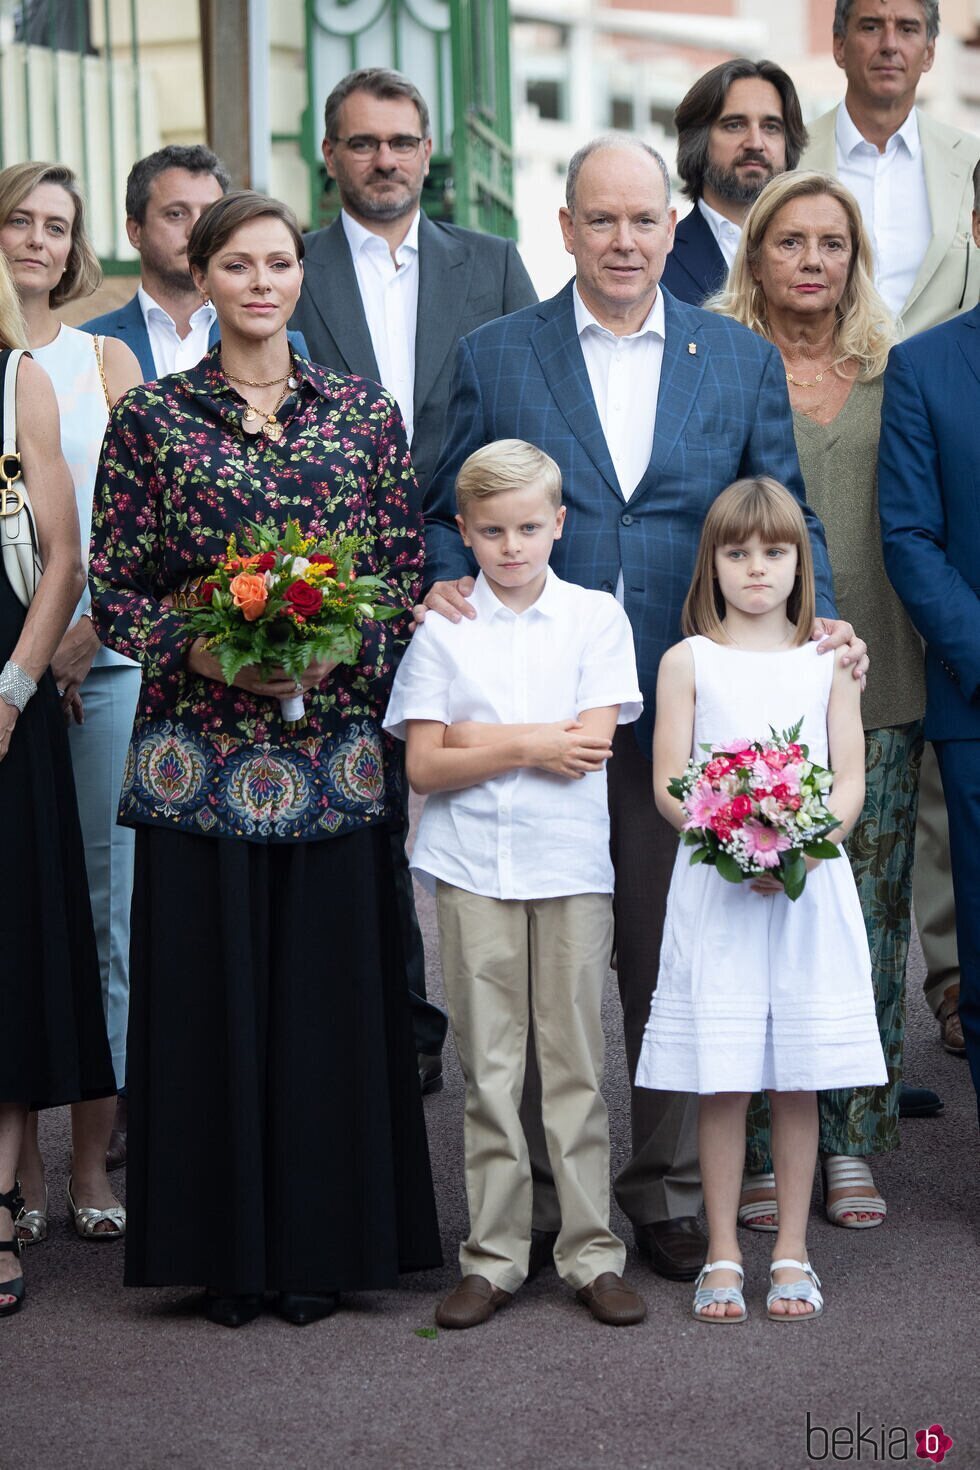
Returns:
(16, 687)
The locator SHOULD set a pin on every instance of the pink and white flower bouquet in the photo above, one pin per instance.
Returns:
(756, 807)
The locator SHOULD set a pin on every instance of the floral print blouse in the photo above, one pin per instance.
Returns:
(177, 476)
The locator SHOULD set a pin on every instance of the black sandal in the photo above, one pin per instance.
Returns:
(13, 1202)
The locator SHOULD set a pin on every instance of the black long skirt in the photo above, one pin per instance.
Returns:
(54, 1048)
(276, 1135)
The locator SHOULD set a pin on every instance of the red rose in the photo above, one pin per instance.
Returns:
(319, 559)
(265, 562)
(741, 806)
(303, 597)
(206, 591)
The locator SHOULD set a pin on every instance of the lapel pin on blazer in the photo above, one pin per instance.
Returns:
(692, 348)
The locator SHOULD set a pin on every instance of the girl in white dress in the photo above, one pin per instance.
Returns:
(756, 991)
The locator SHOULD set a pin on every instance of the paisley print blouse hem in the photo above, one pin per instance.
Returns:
(177, 476)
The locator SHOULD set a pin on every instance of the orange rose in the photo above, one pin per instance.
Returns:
(250, 595)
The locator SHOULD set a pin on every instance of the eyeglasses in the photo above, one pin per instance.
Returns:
(362, 145)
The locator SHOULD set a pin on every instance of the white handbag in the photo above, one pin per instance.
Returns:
(18, 531)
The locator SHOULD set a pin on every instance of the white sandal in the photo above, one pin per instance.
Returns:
(755, 1216)
(706, 1296)
(838, 1171)
(794, 1291)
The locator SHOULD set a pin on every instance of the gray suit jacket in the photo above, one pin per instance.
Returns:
(949, 276)
(465, 279)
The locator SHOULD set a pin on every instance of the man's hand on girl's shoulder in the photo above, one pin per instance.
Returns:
(833, 633)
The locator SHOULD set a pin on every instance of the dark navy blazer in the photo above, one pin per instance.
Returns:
(929, 502)
(129, 325)
(695, 267)
(722, 412)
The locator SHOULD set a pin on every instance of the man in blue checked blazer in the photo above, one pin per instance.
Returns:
(651, 408)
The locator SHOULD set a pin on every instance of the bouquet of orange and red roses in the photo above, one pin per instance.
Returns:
(280, 599)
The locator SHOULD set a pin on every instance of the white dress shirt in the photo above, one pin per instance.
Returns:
(172, 353)
(625, 377)
(891, 190)
(390, 297)
(526, 834)
(726, 233)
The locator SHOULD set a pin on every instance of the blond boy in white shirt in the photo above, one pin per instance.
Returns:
(508, 719)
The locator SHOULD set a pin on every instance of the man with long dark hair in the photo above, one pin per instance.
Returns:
(738, 126)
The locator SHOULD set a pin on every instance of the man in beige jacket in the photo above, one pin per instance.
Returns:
(912, 176)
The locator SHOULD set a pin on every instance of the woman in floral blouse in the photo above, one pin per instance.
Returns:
(276, 1139)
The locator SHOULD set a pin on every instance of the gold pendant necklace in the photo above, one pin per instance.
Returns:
(255, 422)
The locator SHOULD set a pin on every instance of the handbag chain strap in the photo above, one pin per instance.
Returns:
(11, 497)
(98, 343)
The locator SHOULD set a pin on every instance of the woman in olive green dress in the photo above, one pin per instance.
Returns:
(803, 278)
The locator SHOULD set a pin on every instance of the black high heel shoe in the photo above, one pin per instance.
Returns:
(231, 1311)
(302, 1308)
(12, 1201)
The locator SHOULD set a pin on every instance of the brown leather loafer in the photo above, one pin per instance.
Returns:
(472, 1301)
(676, 1249)
(950, 1025)
(611, 1301)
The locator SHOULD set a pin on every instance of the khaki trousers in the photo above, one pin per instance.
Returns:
(661, 1180)
(506, 962)
(932, 886)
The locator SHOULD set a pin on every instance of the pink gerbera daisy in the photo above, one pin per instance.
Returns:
(764, 844)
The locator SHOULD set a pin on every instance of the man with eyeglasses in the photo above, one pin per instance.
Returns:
(387, 294)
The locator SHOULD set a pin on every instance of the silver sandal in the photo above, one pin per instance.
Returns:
(706, 1296)
(794, 1291)
(839, 1171)
(85, 1218)
(755, 1216)
(34, 1222)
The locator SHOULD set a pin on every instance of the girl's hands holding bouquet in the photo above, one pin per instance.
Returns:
(276, 685)
(768, 884)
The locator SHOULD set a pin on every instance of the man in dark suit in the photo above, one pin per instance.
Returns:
(928, 495)
(165, 323)
(651, 408)
(738, 126)
(387, 293)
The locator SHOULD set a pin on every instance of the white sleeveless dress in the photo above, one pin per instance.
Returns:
(755, 991)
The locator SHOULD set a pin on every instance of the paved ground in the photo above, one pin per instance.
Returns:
(96, 1375)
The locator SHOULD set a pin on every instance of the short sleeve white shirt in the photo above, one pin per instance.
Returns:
(171, 352)
(891, 190)
(390, 297)
(527, 834)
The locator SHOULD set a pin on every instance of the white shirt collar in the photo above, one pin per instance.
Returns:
(849, 138)
(488, 604)
(151, 308)
(720, 224)
(358, 238)
(655, 321)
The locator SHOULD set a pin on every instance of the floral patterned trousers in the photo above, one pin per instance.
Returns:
(860, 1121)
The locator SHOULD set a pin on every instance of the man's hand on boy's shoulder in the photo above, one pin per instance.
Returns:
(449, 599)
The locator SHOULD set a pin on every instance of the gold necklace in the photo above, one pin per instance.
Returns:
(253, 383)
(255, 422)
(808, 382)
